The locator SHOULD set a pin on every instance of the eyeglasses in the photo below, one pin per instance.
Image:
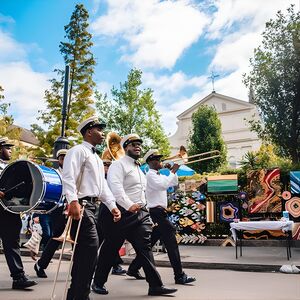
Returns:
(135, 144)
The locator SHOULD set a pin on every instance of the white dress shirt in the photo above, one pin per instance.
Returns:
(127, 182)
(156, 189)
(83, 176)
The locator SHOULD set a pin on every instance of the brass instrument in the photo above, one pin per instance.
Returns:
(209, 155)
(114, 149)
(66, 237)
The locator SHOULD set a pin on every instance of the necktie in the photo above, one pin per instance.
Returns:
(93, 149)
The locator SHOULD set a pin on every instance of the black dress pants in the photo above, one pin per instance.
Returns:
(167, 233)
(10, 227)
(118, 260)
(58, 220)
(136, 228)
(85, 255)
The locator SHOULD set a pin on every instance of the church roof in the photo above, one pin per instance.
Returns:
(26, 135)
(243, 104)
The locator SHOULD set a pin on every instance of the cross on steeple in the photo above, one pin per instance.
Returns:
(212, 77)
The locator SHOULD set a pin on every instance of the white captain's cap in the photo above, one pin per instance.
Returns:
(89, 123)
(152, 154)
(129, 138)
(5, 142)
(61, 152)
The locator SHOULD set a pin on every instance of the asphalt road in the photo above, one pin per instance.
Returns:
(210, 285)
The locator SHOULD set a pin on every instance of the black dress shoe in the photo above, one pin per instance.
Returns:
(136, 274)
(160, 290)
(39, 271)
(98, 289)
(118, 270)
(184, 279)
(22, 283)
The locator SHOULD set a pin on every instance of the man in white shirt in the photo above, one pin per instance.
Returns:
(157, 202)
(128, 183)
(83, 179)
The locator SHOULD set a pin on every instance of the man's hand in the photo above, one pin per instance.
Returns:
(2, 195)
(134, 208)
(117, 214)
(74, 210)
(175, 168)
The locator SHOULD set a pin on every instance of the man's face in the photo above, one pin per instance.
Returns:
(155, 164)
(97, 135)
(5, 152)
(134, 150)
(61, 160)
(106, 167)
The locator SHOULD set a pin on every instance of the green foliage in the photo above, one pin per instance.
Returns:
(77, 54)
(132, 110)
(206, 136)
(275, 81)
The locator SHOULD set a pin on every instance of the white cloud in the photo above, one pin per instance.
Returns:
(157, 32)
(23, 87)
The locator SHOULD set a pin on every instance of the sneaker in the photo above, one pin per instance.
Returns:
(22, 283)
(118, 270)
(184, 279)
(39, 271)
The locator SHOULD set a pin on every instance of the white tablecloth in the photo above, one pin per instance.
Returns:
(261, 225)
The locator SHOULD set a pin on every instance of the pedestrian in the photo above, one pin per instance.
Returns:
(157, 202)
(83, 179)
(127, 182)
(10, 226)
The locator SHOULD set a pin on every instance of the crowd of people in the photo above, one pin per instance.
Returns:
(121, 203)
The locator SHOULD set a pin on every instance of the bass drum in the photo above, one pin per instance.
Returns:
(30, 187)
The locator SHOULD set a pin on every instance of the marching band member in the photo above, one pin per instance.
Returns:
(10, 226)
(157, 202)
(58, 221)
(127, 182)
(83, 179)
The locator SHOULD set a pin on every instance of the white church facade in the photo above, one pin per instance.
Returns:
(233, 114)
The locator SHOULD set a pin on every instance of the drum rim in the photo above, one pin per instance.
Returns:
(32, 209)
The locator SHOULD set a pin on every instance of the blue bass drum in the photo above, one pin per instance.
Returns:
(30, 187)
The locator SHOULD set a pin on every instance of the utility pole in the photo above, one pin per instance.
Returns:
(62, 142)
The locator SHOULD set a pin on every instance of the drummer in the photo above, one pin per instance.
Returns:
(10, 226)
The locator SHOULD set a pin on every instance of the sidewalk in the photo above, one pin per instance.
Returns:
(254, 259)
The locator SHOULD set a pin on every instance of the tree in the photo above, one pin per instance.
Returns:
(77, 53)
(206, 136)
(132, 110)
(275, 81)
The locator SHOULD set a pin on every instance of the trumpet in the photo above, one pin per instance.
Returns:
(185, 161)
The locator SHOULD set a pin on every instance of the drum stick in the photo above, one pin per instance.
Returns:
(14, 187)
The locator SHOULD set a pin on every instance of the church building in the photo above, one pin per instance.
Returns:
(233, 114)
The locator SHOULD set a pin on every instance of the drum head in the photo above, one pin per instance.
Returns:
(23, 182)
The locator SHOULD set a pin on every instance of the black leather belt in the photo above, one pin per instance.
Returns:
(90, 199)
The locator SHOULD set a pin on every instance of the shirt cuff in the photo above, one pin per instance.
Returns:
(72, 197)
(111, 205)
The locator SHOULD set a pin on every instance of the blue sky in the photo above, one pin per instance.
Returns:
(177, 44)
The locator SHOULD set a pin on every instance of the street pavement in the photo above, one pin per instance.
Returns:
(210, 285)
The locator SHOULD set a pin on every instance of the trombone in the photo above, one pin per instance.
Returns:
(66, 237)
(203, 156)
